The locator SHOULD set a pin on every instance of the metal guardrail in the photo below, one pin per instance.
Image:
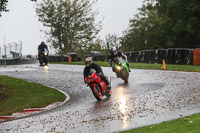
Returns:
(10, 53)
(11, 50)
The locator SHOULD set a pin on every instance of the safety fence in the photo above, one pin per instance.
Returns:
(18, 61)
(63, 58)
(181, 56)
(11, 50)
(171, 56)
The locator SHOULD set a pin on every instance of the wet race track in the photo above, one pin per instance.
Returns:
(150, 97)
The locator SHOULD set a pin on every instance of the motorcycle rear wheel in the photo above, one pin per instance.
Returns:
(96, 92)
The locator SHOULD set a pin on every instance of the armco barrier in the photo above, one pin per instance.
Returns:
(58, 58)
(62, 58)
(188, 57)
(99, 57)
(17, 61)
(170, 56)
(181, 56)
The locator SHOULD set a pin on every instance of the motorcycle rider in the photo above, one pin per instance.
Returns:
(114, 53)
(41, 48)
(91, 65)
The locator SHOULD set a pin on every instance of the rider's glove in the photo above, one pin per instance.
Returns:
(100, 73)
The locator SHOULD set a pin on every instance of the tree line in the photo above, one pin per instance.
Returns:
(71, 26)
(164, 24)
(3, 5)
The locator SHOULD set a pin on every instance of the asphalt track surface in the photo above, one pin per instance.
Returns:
(150, 97)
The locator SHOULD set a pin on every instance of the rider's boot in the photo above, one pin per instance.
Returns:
(108, 89)
(117, 75)
(113, 69)
(109, 86)
(128, 67)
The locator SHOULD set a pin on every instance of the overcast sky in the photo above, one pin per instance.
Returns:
(21, 23)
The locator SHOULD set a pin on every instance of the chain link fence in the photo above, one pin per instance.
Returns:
(11, 50)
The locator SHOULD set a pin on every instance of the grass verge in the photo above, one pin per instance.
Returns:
(186, 68)
(189, 124)
(17, 94)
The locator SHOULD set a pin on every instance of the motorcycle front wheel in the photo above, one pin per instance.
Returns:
(40, 61)
(125, 75)
(96, 92)
(45, 60)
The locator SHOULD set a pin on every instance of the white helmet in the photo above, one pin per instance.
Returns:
(113, 50)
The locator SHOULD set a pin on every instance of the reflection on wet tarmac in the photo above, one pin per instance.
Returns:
(122, 102)
(46, 69)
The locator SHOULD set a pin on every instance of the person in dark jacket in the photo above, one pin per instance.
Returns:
(90, 65)
(41, 47)
(114, 53)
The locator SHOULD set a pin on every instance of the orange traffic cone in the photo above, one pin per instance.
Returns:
(163, 65)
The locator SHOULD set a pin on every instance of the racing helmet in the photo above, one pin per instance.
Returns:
(88, 61)
(42, 43)
(113, 51)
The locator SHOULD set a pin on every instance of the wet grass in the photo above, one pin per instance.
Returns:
(185, 68)
(189, 124)
(17, 94)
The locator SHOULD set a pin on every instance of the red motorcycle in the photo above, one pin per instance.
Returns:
(98, 86)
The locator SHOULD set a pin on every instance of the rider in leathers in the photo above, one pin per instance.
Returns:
(114, 53)
(90, 65)
(41, 48)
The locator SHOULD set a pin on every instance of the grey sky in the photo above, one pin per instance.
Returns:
(21, 24)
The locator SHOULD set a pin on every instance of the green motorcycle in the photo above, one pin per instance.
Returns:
(121, 69)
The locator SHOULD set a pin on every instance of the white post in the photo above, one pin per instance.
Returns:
(5, 54)
(5, 49)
